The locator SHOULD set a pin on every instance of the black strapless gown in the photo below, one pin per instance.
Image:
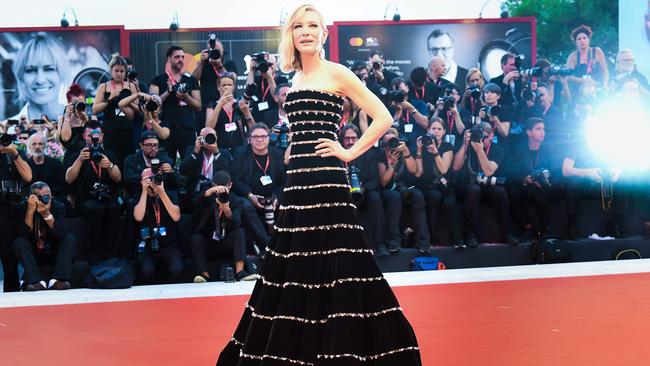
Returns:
(320, 299)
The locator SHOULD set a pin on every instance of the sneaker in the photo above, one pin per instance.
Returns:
(244, 275)
(200, 279)
(38, 286)
(471, 241)
(382, 250)
(59, 285)
(459, 244)
(394, 249)
(425, 251)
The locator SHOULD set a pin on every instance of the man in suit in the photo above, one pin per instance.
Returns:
(441, 43)
(509, 81)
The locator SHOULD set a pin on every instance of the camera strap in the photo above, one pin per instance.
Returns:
(418, 96)
(451, 122)
(229, 115)
(97, 169)
(265, 91)
(156, 211)
(171, 79)
(207, 165)
(268, 162)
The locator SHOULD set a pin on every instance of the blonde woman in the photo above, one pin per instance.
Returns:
(321, 299)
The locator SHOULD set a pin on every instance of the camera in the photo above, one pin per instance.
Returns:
(428, 139)
(250, 91)
(96, 148)
(491, 111)
(157, 173)
(376, 65)
(100, 192)
(38, 121)
(223, 197)
(396, 96)
(528, 94)
(533, 72)
(269, 213)
(392, 143)
(261, 58)
(132, 75)
(476, 133)
(7, 139)
(151, 105)
(179, 88)
(209, 139)
(280, 138)
(541, 176)
(448, 102)
(356, 191)
(205, 183)
(560, 71)
(79, 107)
(45, 198)
(484, 180)
(475, 91)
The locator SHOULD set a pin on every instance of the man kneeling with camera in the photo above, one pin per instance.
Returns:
(157, 215)
(42, 238)
(217, 228)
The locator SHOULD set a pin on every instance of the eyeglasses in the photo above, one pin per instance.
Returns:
(259, 137)
(350, 138)
(150, 145)
(437, 50)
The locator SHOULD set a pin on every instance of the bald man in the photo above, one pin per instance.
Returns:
(437, 68)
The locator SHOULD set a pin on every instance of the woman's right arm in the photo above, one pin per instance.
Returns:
(65, 132)
(99, 105)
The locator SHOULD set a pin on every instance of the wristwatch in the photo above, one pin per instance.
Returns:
(111, 166)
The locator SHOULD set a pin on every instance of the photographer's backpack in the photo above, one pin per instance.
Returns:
(426, 263)
(551, 249)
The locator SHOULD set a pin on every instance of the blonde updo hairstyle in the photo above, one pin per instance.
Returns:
(289, 57)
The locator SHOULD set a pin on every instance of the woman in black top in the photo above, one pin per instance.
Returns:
(588, 62)
(71, 123)
(227, 115)
(118, 126)
(433, 161)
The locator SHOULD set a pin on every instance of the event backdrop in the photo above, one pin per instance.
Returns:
(634, 31)
(60, 57)
(476, 43)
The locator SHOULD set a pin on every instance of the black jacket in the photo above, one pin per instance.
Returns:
(507, 98)
(192, 164)
(244, 168)
(367, 164)
(53, 235)
(134, 164)
(206, 208)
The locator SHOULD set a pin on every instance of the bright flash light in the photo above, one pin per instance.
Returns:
(618, 134)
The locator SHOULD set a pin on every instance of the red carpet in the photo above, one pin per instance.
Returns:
(597, 320)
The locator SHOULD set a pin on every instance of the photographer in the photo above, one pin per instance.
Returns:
(277, 116)
(208, 70)
(494, 112)
(453, 116)
(587, 179)
(118, 121)
(542, 107)
(44, 168)
(395, 165)
(368, 201)
(588, 62)
(14, 173)
(258, 174)
(420, 88)
(409, 121)
(93, 179)
(201, 162)
(433, 163)
(229, 117)
(217, 228)
(476, 163)
(376, 72)
(42, 238)
(626, 69)
(532, 171)
(149, 156)
(509, 81)
(558, 85)
(262, 73)
(148, 107)
(180, 95)
(71, 123)
(436, 70)
(157, 215)
(471, 100)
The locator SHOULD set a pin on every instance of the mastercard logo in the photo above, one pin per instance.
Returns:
(356, 42)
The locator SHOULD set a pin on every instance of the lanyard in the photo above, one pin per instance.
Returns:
(113, 84)
(408, 117)
(97, 169)
(229, 114)
(417, 96)
(156, 211)
(268, 161)
(216, 72)
(487, 150)
(451, 121)
(207, 164)
(171, 79)
(265, 91)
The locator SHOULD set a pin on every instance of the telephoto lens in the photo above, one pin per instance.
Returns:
(151, 105)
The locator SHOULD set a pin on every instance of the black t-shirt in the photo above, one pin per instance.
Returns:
(264, 94)
(176, 115)
(582, 155)
(114, 116)
(524, 160)
(430, 173)
(408, 127)
(471, 167)
(428, 93)
(453, 136)
(234, 136)
(259, 163)
(88, 176)
(8, 170)
(50, 172)
(166, 222)
(401, 173)
(209, 90)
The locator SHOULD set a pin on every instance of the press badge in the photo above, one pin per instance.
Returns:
(162, 231)
(232, 126)
(263, 106)
(118, 112)
(451, 139)
(408, 128)
(266, 180)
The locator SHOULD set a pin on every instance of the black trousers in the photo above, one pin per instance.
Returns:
(578, 189)
(169, 258)
(371, 217)
(103, 225)
(62, 255)
(179, 140)
(413, 200)
(472, 194)
(531, 206)
(436, 200)
(253, 224)
(120, 142)
(8, 222)
(232, 245)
